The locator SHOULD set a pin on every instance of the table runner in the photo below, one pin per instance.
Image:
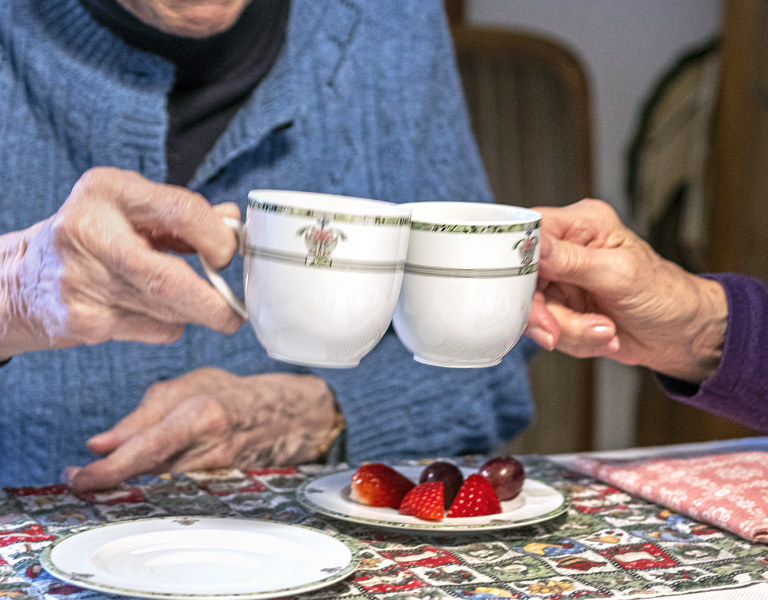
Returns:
(609, 545)
(728, 490)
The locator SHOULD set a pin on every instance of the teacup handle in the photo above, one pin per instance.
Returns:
(218, 281)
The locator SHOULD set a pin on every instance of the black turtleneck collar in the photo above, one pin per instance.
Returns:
(214, 76)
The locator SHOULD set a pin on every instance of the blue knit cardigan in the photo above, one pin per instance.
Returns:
(363, 100)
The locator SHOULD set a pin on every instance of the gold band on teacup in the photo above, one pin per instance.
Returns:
(340, 264)
(471, 273)
(447, 228)
(292, 211)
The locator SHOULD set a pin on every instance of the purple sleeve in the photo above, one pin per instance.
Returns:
(739, 388)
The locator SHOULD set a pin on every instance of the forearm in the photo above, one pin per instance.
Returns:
(739, 387)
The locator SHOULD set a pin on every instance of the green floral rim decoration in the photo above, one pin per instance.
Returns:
(447, 228)
(371, 220)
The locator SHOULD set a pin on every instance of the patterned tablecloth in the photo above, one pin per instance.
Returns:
(608, 545)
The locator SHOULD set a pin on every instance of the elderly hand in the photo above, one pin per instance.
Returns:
(98, 269)
(603, 291)
(209, 419)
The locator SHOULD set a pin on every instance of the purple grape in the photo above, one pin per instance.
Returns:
(506, 475)
(449, 474)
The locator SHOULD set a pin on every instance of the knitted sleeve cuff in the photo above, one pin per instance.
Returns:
(739, 387)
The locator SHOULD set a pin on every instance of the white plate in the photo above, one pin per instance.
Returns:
(329, 496)
(201, 558)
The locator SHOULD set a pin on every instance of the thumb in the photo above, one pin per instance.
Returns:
(227, 209)
(542, 327)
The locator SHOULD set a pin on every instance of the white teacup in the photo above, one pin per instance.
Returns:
(470, 277)
(322, 274)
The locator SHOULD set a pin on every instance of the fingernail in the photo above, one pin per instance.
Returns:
(543, 338)
(69, 474)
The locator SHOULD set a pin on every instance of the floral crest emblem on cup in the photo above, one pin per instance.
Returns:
(527, 248)
(321, 239)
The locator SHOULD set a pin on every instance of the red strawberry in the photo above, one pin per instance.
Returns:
(377, 484)
(475, 498)
(425, 501)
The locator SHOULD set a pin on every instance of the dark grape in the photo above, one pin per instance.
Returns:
(506, 475)
(449, 474)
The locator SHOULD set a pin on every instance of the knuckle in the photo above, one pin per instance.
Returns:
(167, 334)
(92, 179)
(591, 209)
(108, 475)
(95, 180)
(159, 285)
(185, 206)
(224, 319)
(568, 264)
(205, 373)
(317, 387)
(215, 417)
(223, 455)
(590, 203)
(593, 205)
(157, 448)
(155, 392)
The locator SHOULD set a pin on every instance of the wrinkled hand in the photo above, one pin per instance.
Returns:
(603, 291)
(210, 419)
(99, 268)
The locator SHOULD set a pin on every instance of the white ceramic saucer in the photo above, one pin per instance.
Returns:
(201, 558)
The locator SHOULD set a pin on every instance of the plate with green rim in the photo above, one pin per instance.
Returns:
(201, 558)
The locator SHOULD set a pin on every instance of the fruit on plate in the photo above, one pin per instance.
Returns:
(425, 501)
(475, 498)
(449, 474)
(506, 475)
(377, 484)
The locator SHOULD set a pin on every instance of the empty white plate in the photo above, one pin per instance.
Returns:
(200, 557)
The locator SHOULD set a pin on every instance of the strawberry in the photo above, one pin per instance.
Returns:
(475, 498)
(377, 484)
(425, 501)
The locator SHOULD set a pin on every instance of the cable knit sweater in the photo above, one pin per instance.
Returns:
(363, 100)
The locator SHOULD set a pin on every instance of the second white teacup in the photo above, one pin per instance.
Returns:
(470, 277)
(322, 274)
